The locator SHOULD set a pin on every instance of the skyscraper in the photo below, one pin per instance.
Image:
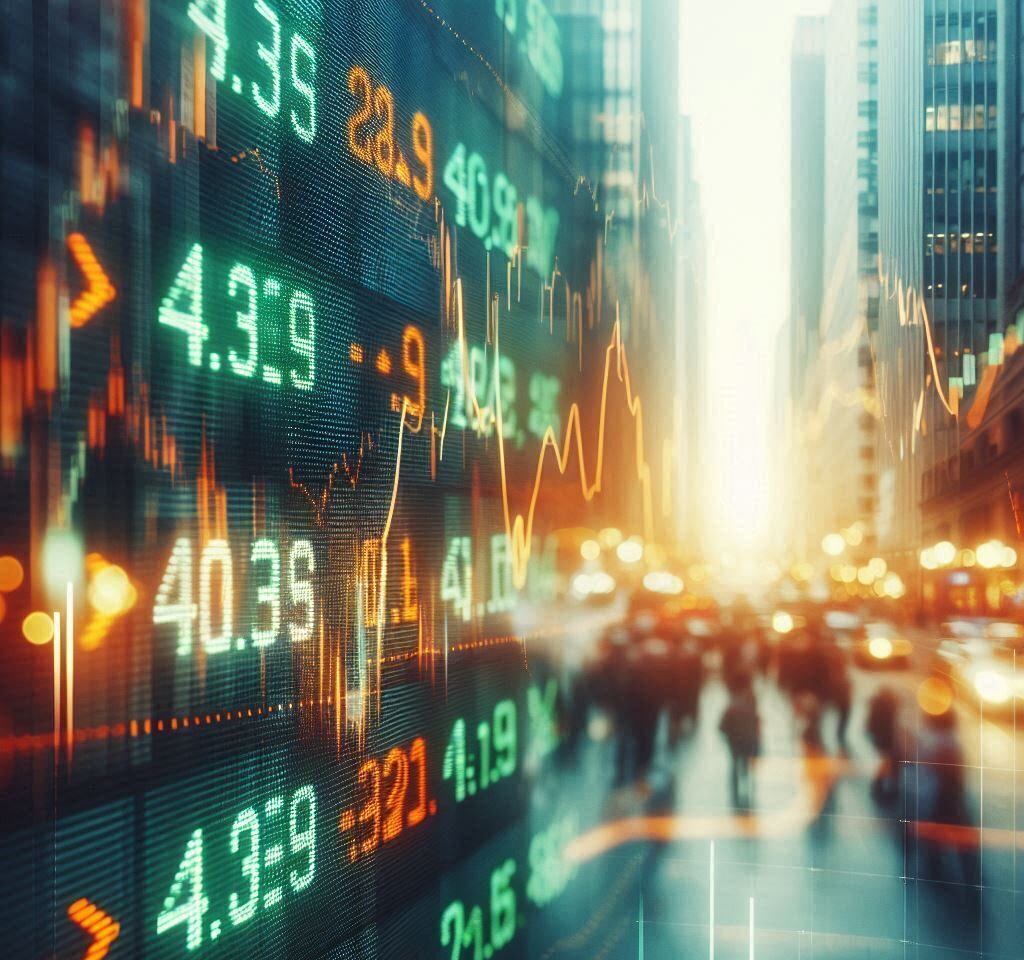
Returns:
(840, 405)
(807, 218)
(691, 347)
(948, 158)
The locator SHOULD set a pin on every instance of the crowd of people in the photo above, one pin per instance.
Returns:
(650, 672)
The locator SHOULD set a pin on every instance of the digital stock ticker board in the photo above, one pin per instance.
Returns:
(319, 340)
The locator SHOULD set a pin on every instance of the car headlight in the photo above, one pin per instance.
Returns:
(880, 648)
(992, 687)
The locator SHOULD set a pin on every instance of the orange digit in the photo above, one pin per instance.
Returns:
(370, 771)
(385, 146)
(396, 761)
(413, 349)
(410, 587)
(423, 147)
(418, 755)
(360, 86)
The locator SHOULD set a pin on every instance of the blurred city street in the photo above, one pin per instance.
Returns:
(818, 868)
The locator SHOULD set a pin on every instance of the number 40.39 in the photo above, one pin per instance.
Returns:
(215, 609)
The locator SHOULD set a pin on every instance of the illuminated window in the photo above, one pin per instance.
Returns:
(947, 54)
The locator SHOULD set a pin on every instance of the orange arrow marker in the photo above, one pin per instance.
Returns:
(100, 291)
(100, 926)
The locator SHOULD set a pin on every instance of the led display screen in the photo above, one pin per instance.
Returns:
(313, 349)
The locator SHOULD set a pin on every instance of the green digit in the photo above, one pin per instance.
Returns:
(478, 194)
(503, 905)
(303, 345)
(451, 377)
(505, 737)
(453, 916)
(455, 180)
(303, 840)
(178, 576)
(213, 24)
(246, 822)
(305, 131)
(245, 320)
(483, 734)
(188, 285)
(268, 594)
(216, 552)
(190, 911)
(455, 759)
(301, 561)
(271, 56)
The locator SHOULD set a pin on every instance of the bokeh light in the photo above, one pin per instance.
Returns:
(934, 696)
(833, 544)
(63, 560)
(11, 574)
(630, 551)
(945, 553)
(111, 592)
(38, 628)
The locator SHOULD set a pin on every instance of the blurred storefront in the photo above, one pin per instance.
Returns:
(975, 499)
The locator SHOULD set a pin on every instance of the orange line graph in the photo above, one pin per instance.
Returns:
(519, 526)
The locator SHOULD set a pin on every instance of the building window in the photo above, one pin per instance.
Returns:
(946, 54)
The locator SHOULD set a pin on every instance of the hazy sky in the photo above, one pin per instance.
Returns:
(735, 76)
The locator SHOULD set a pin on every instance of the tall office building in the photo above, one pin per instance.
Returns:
(624, 102)
(807, 190)
(807, 217)
(691, 349)
(948, 185)
(841, 407)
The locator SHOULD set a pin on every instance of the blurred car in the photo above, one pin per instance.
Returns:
(842, 625)
(1006, 632)
(881, 646)
(982, 668)
(964, 628)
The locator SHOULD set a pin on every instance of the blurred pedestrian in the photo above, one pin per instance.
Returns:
(687, 681)
(883, 732)
(838, 690)
(741, 726)
(942, 802)
(741, 655)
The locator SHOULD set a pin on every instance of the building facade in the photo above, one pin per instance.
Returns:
(623, 108)
(690, 246)
(949, 175)
(807, 225)
(840, 412)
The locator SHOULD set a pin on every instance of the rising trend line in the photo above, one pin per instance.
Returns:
(519, 526)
